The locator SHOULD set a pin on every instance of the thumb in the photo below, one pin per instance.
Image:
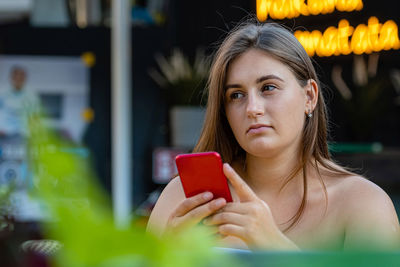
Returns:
(244, 192)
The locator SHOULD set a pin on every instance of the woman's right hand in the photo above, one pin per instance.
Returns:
(193, 210)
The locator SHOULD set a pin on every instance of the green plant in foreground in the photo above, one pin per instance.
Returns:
(5, 205)
(82, 220)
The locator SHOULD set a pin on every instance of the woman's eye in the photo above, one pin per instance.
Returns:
(268, 87)
(236, 95)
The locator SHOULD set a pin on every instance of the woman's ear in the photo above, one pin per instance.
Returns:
(311, 91)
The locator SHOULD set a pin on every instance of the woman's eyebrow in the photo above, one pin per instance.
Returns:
(268, 77)
(226, 87)
(259, 80)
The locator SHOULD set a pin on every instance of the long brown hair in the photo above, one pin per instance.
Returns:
(279, 42)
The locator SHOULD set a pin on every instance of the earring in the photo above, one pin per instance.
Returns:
(309, 114)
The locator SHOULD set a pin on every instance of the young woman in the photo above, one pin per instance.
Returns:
(266, 117)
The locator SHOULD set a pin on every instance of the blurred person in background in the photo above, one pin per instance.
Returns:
(267, 119)
(17, 105)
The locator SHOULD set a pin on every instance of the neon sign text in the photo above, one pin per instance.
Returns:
(345, 39)
(280, 9)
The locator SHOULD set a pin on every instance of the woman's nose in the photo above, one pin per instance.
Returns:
(255, 105)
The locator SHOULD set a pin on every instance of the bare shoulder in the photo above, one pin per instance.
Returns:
(358, 192)
(368, 212)
(352, 190)
(169, 199)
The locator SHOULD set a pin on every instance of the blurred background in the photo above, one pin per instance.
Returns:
(58, 52)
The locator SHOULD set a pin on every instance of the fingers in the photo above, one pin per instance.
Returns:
(238, 207)
(192, 210)
(246, 220)
(192, 202)
(227, 224)
(232, 213)
(232, 230)
(213, 230)
(199, 213)
(243, 191)
(225, 218)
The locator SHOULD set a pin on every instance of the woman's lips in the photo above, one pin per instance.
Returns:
(258, 128)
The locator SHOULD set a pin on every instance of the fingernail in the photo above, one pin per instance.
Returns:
(220, 202)
(207, 196)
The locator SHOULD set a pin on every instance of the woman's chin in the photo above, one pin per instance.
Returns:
(262, 149)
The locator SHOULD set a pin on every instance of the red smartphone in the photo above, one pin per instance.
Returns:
(201, 172)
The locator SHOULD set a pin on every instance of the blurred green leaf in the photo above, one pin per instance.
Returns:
(82, 220)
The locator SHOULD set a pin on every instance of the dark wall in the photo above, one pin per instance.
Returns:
(206, 22)
(149, 108)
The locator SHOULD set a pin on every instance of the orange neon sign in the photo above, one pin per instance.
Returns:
(280, 9)
(342, 40)
(345, 39)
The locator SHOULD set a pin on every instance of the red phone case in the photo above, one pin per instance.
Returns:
(201, 172)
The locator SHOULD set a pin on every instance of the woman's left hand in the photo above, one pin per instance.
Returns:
(249, 219)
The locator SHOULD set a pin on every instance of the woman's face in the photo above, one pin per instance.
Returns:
(264, 104)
